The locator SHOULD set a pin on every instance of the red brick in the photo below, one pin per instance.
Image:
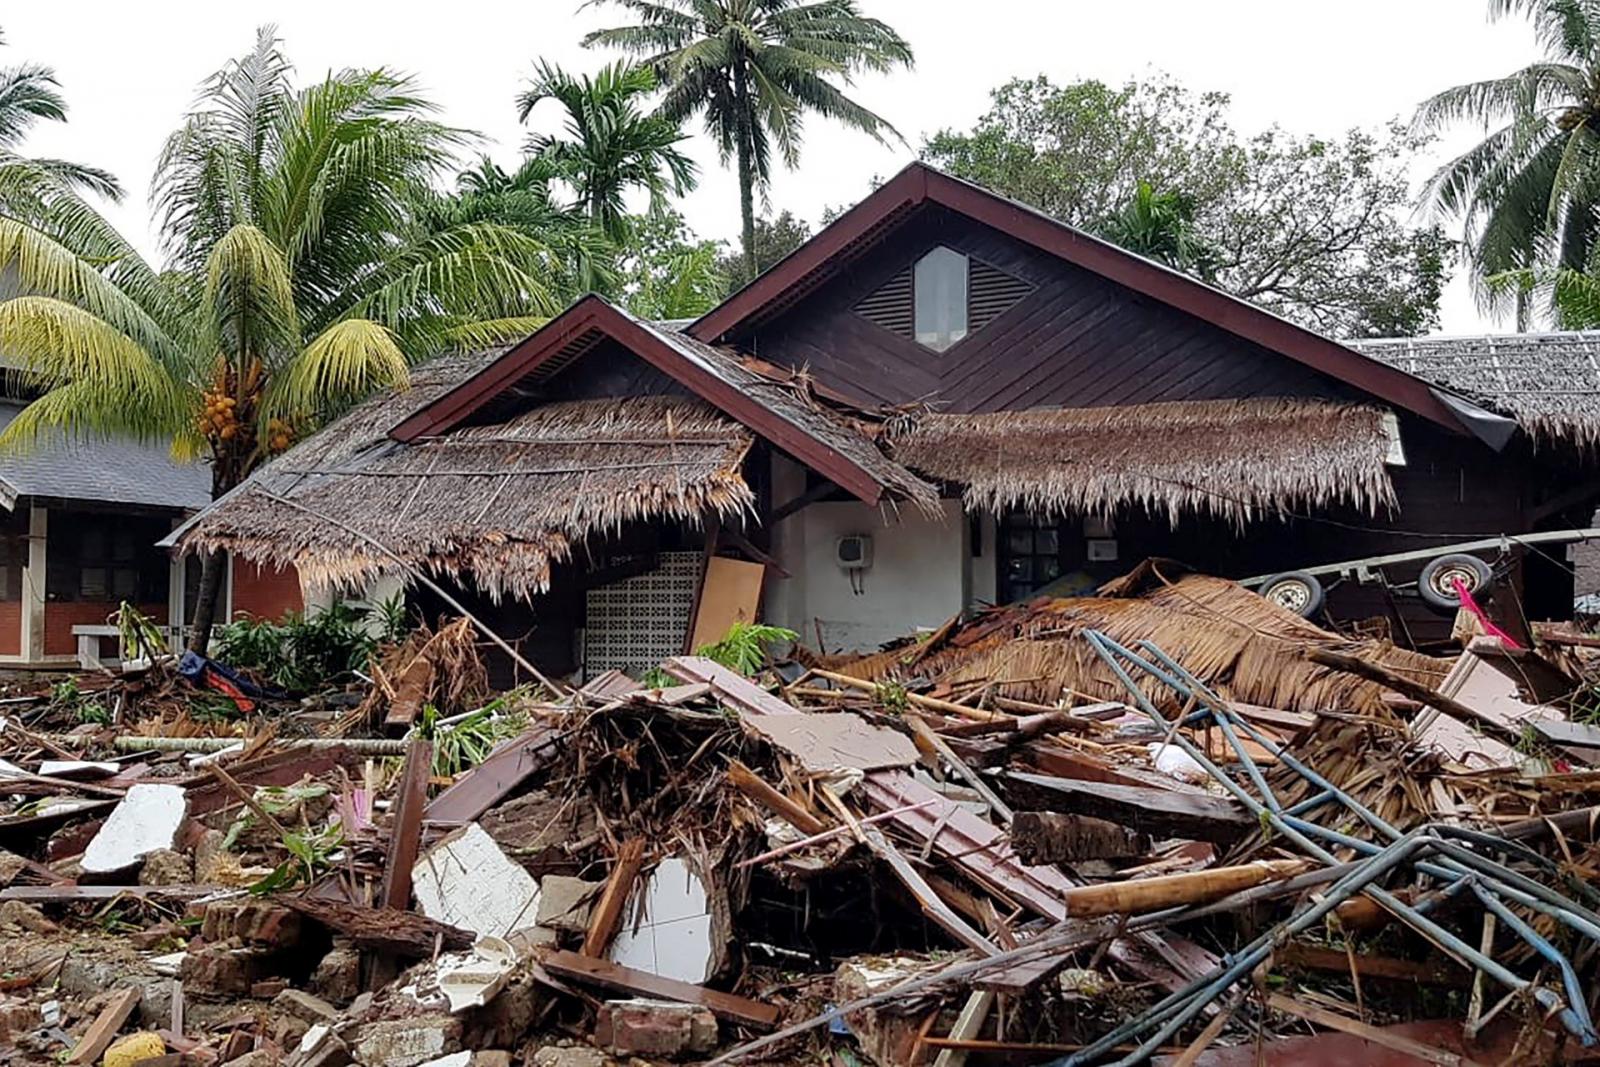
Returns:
(655, 1028)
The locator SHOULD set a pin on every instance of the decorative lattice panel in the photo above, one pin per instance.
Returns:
(636, 623)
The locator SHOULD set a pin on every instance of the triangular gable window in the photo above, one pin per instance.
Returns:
(942, 298)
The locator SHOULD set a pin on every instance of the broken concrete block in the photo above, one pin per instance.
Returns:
(466, 881)
(575, 1056)
(259, 1057)
(673, 937)
(655, 1028)
(338, 977)
(491, 1057)
(254, 922)
(165, 866)
(565, 902)
(146, 819)
(303, 1005)
(407, 1042)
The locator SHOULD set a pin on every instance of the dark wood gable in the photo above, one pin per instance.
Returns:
(1042, 332)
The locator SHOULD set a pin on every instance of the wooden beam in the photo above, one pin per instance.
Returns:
(607, 975)
(505, 769)
(753, 786)
(811, 496)
(1193, 887)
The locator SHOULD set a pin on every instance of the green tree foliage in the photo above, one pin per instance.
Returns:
(1308, 227)
(610, 145)
(753, 69)
(667, 272)
(1529, 191)
(301, 275)
(774, 239)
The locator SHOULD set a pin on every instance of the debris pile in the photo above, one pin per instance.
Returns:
(1173, 822)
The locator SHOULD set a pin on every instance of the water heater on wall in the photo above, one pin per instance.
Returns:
(853, 552)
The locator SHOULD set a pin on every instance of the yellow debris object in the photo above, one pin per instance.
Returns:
(135, 1048)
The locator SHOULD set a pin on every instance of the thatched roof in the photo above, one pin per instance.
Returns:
(502, 502)
(1248, 648)
(1548, 382)
(1235, 459)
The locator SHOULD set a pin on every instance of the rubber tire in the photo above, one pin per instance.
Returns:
(1315, 594)
(1483, 578)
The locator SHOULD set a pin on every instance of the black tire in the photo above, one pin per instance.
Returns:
(1295, 591)
(1436, 583)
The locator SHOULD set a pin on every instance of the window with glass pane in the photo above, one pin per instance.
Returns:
(939, 298)
(1030, 555)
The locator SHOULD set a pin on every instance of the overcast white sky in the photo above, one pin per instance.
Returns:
(131, 69)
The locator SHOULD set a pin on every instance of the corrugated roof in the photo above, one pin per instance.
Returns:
(1549, 382)
(103, 470)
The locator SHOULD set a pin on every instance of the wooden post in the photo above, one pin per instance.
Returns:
(405, 836)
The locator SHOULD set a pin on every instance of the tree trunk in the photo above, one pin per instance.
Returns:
(213, 567)
(743, 137)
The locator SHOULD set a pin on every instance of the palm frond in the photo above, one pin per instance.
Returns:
(250, 296)
(343, 363)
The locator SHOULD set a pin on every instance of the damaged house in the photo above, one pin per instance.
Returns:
(944, 399)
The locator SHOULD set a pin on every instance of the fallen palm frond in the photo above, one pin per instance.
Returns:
(1234, 459)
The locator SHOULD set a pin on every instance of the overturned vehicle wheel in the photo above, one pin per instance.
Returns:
(1437, 582)
(1295, 591)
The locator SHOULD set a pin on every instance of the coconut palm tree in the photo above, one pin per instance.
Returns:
(611, 145)
(299, 278)
(1528, 192)
(753, 69)
(1160, 226)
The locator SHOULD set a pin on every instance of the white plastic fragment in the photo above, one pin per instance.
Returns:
(147, 819)
(1174, 762)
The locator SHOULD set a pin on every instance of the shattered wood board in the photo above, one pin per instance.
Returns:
(144, 821)
(975, 844)
(826, 740)
(1479, 685)
(503, 770)
(667, 929)
(466, 881)
(634, 624)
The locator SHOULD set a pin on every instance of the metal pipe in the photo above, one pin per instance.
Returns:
(361, 746)
(1575, 1015)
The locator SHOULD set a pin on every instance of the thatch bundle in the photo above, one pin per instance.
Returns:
(501, 503)
(1550, 383)
(1235, 459)
(1245, 647)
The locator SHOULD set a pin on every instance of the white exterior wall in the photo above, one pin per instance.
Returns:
(919, 575)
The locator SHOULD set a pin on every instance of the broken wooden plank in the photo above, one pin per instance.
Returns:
(607, 975)
(1315, 957)
(607, 914)
(284, 766)
(1001, 810)
(932, 905)
(1158, 812)
(502, 771)
(1166, 891)
(104, 1028)
(405, 833)
(1053, 837)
